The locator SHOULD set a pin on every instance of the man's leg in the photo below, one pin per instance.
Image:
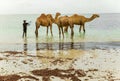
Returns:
(23, 34)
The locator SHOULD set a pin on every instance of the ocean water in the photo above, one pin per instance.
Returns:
(106, 28)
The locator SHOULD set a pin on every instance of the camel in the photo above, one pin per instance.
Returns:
(65, 22)
(61, 22)
(75, 20)
(58, 23)
(81, 20)
(46, 21)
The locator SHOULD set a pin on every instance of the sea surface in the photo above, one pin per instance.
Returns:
(104, 30)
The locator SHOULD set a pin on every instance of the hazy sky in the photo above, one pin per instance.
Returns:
(63, 6)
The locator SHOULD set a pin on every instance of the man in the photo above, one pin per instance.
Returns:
(25, 28)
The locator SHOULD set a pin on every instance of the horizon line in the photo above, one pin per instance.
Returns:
(54, 13)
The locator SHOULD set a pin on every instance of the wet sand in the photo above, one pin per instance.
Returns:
(72, 61)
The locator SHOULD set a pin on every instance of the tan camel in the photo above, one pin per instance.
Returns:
(61, 22)
(75, 20)
(58, 23)
(65, 23)
(81, 20)
(44, 20)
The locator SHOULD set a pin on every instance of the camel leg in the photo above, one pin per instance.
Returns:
(59, 32)
(47, 31)
(36, 32)
(37, 27)
(62, 32)
(51, 30)
(84, 28)
(80, 28)
(72, 32)
(66, 29)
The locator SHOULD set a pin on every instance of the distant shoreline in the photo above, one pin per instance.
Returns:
(52, 13)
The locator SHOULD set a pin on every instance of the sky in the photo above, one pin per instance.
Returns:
(63, 6)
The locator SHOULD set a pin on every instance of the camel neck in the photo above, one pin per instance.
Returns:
(56, 18)
(90, 19)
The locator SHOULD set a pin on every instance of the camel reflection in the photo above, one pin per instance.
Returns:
(82, 35)
(59, 45)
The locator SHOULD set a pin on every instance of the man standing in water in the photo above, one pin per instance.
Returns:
(25, 28)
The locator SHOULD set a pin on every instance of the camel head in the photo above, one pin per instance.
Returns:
(58, 14)
(51, 18)
(95, 16)
(56, 17)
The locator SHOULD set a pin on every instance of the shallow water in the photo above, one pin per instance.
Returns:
(104, 28)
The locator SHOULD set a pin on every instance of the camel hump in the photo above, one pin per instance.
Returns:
(43, 16)
(66, 16)
(49, 15)
(75, 15)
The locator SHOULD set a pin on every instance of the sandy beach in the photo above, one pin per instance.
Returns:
(62, 62)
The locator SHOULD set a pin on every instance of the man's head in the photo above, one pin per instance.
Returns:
(24, 21)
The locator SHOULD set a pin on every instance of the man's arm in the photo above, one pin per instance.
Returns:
(28, 24)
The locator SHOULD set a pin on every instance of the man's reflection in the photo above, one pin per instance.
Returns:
(25, 46)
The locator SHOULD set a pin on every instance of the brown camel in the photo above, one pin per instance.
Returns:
(81, 20)
(65, 22)
(75, 20)
(58, 23)
(44, 20)
(61, 22)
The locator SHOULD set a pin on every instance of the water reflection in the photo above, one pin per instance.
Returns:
(25, 49)
(82, 35)
(58, 53)
(49, 44)
(61, 45)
